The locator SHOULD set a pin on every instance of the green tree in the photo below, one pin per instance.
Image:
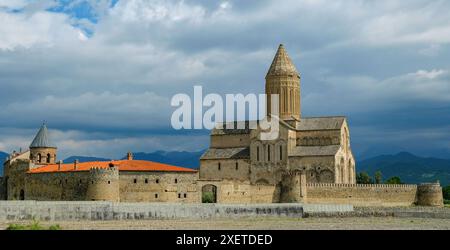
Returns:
(446, 192)
(394, 180)
(378, 177)
(208, 197)
(363, 178)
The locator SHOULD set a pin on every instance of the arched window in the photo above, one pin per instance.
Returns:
(281, 152)
(257, 153)
(219, 166)
(237, 165)
(48, 158)
(291, 100)
(39, 158)
(176, 180)
(268, 152)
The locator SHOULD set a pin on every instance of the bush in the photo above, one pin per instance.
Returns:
(394, 180)
(446, 192)
(363, 178)
(35, 225)
(208, 197)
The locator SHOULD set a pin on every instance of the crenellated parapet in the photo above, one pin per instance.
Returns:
(338, 185)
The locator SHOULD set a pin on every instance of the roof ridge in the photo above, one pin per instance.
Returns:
(330, 116)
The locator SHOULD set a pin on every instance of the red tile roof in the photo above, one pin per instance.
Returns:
(123, 165)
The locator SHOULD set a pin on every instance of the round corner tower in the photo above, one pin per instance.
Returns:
(283, 79)
(293, 187)
(430, 194)
(42, 151)
(103, 184)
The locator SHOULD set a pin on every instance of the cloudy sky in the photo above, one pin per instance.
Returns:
(101, 73)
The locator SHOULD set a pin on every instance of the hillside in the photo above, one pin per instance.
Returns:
(410, 168)
(84, 159)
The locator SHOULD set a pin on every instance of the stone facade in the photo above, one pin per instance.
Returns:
(310, 161)
(110, 184)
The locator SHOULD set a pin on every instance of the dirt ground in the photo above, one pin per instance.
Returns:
(382, 223)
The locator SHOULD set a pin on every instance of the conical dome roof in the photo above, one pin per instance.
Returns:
(42, 139)
(282, 64)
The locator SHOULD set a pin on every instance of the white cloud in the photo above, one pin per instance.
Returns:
(13, 4)
(40, 29)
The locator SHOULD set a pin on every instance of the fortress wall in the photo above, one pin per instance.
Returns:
(16, 173)
(244, 193)
(158, 187)
(362, 194)
(210, 169)
(88, 210)
(234, 192)
(64, 186)
(2, 188)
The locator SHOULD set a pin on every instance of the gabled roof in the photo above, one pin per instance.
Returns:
(42, 139)
(320, 123)
(226, 153)
(282, 64)
(123, 165)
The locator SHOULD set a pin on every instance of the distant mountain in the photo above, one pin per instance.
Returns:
(182, 159)
(410, 168)
(3, 156)
(84, 159)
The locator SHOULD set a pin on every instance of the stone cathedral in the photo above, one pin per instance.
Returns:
(317, 146)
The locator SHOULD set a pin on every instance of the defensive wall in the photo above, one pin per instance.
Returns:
(2, 189)
(88, 210)
(429, 194)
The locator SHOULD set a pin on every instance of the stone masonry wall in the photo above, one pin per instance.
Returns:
(158, 187)
(2, 189)
(64, 186)
(28, 210)
(236, 169)
(361, 194)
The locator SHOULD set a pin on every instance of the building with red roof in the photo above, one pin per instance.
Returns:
(36, 175)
